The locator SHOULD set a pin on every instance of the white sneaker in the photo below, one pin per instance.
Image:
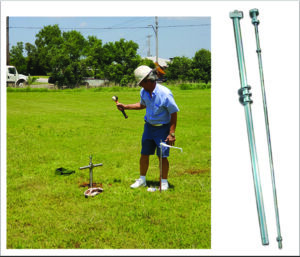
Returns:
(138, 183)
(164, 186)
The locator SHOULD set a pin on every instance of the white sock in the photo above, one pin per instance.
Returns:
(164, 180)
(143, 178)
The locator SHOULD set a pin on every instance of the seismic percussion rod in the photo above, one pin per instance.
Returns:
(160, 167)
(253, 14)
(91, 171)
(245, 100)
(161, 145)
(90, 167)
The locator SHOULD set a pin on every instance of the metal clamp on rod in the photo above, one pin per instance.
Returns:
(253, 14)
(246, 102)
(245, 95)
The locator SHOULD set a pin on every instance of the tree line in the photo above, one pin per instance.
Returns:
(68, 57)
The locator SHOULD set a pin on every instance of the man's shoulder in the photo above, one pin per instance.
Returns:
(164, 89)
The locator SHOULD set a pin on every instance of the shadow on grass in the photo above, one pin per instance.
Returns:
(151, 183)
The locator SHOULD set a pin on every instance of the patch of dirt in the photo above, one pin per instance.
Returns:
(87, 184)
(193, 172)
(77, 245)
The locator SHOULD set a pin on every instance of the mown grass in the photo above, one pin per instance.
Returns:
(61, 128)
(41, 76)
(190, 86)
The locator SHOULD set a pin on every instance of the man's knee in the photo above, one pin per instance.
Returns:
(164, 159)
(144, 157)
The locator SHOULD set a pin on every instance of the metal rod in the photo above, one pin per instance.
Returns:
(160, 176)
(253, 14)
(7, 41)
(156, 37)
(91, 171)
(246, 101)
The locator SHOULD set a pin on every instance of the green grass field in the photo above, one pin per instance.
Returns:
(48, 130)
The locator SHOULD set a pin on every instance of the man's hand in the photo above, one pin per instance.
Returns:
(170, 140)
(121, 106)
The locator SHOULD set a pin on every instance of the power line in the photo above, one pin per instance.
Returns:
(196, 25)
(133, 20)
(108, 28)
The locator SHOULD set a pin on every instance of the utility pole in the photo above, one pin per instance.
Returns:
(156, 34)
(149, 53)
(7, 40)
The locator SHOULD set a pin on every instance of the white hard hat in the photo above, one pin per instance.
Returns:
(141, 73)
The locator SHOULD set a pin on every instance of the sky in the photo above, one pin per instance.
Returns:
(177, 36)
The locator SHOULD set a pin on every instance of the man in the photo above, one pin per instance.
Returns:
(160, 122)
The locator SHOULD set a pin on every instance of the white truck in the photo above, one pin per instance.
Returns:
(13, 78)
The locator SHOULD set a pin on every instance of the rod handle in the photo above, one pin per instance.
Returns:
(125, 115)
(253, 14)
(84, 167)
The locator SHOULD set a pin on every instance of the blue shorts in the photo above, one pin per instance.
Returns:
(152, 137)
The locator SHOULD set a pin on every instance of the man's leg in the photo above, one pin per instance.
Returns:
(144, 164)
(148, 148)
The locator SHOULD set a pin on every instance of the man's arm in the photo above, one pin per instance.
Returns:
(136, 106)
(171, 139)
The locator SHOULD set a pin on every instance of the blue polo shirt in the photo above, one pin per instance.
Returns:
(160, 106)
